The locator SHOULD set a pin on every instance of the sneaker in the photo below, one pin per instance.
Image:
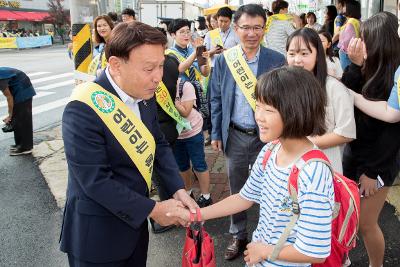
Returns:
(13, 147)
(20, 151)
(207, 142)
(202, 202)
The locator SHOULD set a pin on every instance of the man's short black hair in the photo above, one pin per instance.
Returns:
(113, 16)
(177, 24)
(128, 11)
(225, 12)
(298, 97)
(253, 10)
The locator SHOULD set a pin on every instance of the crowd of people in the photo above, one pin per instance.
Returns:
(236, 81)
(18, 33)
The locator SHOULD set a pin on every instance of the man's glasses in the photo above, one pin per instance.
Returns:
(256, 29)
(185, 33)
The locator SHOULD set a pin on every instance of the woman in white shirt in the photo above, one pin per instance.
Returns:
(312, 22)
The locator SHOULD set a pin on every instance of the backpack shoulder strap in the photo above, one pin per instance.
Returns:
(268, 153)
(293, 188)
(180, 87)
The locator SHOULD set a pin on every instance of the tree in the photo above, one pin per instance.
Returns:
(58, 17)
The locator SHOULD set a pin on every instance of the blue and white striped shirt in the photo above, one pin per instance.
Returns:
(311, 235)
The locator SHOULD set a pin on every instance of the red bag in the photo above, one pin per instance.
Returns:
(198, 250)
(346, 213)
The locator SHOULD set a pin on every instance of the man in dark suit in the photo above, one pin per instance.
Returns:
(234, 129)
(105, 216)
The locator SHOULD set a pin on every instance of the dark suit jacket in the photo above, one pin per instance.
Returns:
(107, 198)
(223, 86)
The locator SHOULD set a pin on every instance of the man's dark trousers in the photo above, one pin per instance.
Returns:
(22, 123)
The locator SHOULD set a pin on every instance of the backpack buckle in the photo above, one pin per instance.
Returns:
(295, 208)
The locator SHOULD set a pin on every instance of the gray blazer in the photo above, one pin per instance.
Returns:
(223, 90)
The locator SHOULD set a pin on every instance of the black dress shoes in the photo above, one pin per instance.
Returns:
(235, 248)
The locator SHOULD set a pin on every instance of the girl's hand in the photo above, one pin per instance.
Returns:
(356, 51)
(256, 252)
(367, 186)
(206, 54)
(178, 104)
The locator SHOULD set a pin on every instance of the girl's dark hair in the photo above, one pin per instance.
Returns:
(311, 14)
(278, 5)
(311, 38)
(353, 9)
(253, 10)
(97, 38)
(177, 24)
(298, 97)
(383, 45)
(329, 23)
(329, 50)
(303, 19)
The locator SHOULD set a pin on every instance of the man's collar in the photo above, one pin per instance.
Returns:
(124, 96)
(255, 59)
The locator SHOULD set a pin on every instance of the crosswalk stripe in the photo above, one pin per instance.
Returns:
(33, 74)
(38, 95)
(53, 77)
(55, 85)
(49, 106)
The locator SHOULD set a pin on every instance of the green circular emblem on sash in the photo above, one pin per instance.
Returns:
(232, 55)
(103, 101)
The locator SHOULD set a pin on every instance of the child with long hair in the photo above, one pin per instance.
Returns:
(304, 49)
(332, 62)
(290, 106)
(374, 154)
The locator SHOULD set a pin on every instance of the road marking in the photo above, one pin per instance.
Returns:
(55, 85)
(38, 95)
(49, 106)
(33, 74)
(53, 77)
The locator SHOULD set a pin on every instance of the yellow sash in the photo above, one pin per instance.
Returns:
(242, 74)
(216, 38)
(127, 128)
(181, 59)
(356, 25)
(165, 101)
(94, 64)
(276, 17)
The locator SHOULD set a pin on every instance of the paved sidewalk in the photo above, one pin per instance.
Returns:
(50, 157)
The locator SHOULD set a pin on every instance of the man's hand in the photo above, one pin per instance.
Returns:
(216, 145)
(256, 252)
(161, 209)
(186, 200)
(356, 51)
(367, 186)
(7, 120)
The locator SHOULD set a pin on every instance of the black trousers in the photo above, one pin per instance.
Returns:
(137, 259)
(22, 123)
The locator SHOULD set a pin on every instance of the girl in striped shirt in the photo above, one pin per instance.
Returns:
(290, 106)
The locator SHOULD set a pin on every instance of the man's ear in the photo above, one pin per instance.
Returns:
(115, 64)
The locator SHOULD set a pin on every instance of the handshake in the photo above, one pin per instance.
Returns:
(174, 211)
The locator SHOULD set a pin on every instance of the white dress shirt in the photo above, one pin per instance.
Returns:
(132, 103)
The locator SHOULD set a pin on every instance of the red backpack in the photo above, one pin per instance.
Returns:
(346, 213)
